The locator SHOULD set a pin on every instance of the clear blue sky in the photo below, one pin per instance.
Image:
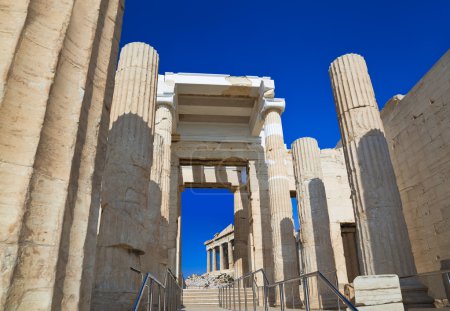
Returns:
(292, 41)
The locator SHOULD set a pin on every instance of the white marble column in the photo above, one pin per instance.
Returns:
(56, 67)
(260, 213)
(383, 240)
(230, 255)
(283, 240)
(214, 259)
(164, 124)
(222, 257)
(123, 236)
(316, 248)
(240, 231)
(208, 260)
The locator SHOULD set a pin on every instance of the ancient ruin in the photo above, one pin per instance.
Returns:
(224, 242)
(94, 156)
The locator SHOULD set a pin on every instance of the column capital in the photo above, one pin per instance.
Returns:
(166, 100)
(277, 104)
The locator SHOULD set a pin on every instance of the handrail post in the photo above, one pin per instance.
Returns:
(150, 290)
(234, 297)
(239, 294)
(245, 294)
(281, 285)
(253, 292)
(306, 293)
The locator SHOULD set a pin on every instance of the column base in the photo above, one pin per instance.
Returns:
(415, 294)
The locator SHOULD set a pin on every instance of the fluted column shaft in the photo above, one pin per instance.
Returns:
(383, 240)
(55, 77)
(317, 251)
(283, 240)
(240, 231)
(214, 259)
(163, 129)
(230, 255)
(316, 248)
(125, 223)
(208, 260)
(222, 257)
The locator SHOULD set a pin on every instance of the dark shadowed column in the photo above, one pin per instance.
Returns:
(316, 249)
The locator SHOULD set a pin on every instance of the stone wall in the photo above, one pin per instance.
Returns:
(340, 207)
(418, 132)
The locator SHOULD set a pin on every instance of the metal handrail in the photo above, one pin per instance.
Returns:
(170, 291)
(224, 290)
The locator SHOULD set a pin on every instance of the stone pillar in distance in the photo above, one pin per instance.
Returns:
(214, 259)
(316, 248)
(123, 236)
(383, 240)
(208, 260)
(230, 255)
(222, 257)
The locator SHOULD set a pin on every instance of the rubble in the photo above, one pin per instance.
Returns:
(208, 280)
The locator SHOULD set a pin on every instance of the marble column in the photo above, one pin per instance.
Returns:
(222, 257)
(283, 240)
(240, 231)
(260, 217)
(164, 123)
(214, 259)
(316, 248)
(56, 68)
(124, 233)
(208, 260)
(230, 255)
(174, 215)
(383, 241)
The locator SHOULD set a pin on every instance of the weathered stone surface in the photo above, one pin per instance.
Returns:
(124, 238)
(377, 289)
(55, 78)
(417, 128)
(382, 234)
(315, 241)
(340, 208)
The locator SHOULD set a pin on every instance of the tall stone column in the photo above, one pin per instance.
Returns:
(164, 124)
(174, 215)
(214, 259)
(123, 237)
(56, 66)
(240, 230)
(222, 257)
(283, 240)
(208, 260)
(260, 217)
(383, 240)
(316, 248)
(230, 255)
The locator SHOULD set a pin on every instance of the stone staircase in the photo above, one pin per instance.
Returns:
(208, 297)
(201, 297)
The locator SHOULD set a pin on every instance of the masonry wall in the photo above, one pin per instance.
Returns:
(418, 132)
(340, 207)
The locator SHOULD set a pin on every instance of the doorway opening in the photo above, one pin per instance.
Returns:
(204, 213)
(348, 233)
